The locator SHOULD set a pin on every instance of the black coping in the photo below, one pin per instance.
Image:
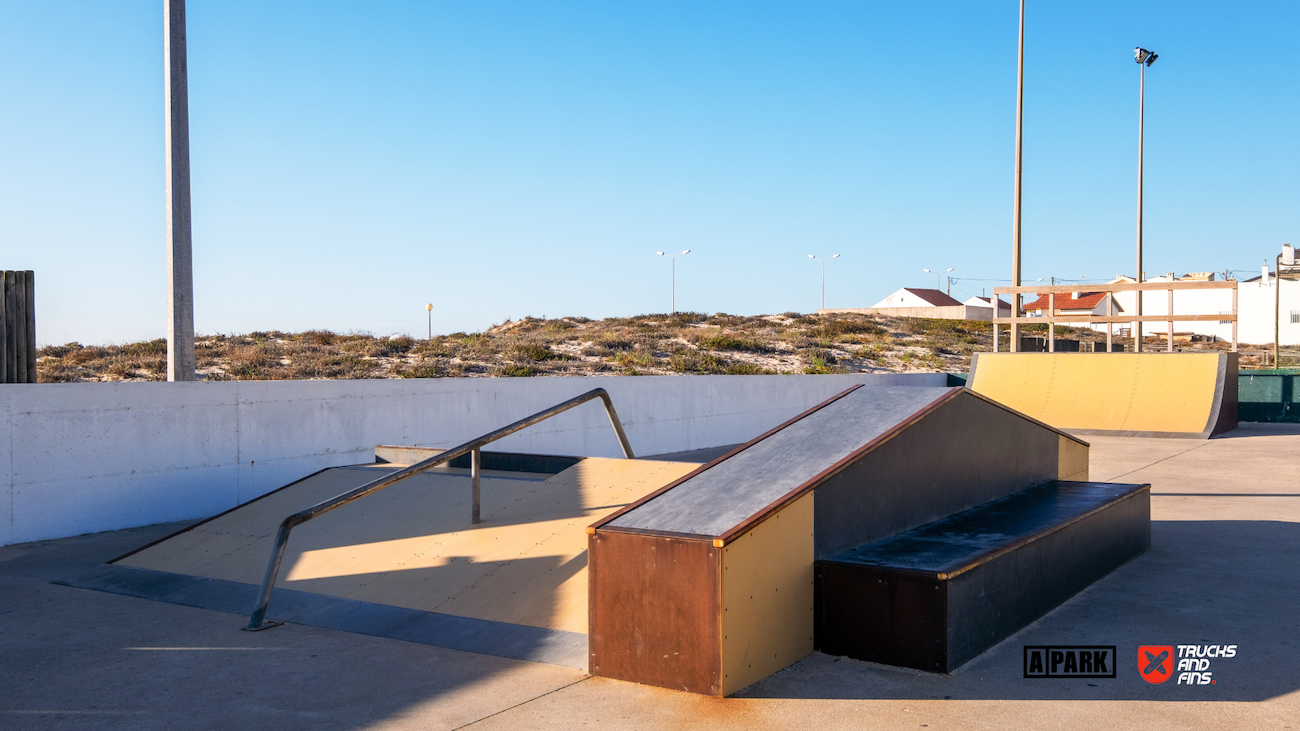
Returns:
(946, 546)
(467, 634)
(727, 493)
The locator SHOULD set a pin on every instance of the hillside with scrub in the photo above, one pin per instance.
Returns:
(678, 344)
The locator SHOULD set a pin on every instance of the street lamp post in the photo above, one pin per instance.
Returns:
(1015, 224)
(938, 274)
(1284, 268)
(823, 261)
(429, 308)
(673, 258)
(1144, 58)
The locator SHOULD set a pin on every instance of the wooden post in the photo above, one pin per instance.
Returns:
(1234, 318)
(1110, 326)
(17, 327)
(1051, 324)
(1171, 321)
(995, 336)
(8, 337)
(180, 265)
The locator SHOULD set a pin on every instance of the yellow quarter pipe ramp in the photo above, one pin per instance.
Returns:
(1186, 395)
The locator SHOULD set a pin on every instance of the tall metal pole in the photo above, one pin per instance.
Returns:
(1015, 231)
(1277, 311)
(180, 264)
(1142, 95)
(823, 284)
(674, 260)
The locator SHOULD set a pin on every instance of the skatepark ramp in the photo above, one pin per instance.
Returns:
(1187, 395)
(907, 525)
(497, 567)
(913, 526)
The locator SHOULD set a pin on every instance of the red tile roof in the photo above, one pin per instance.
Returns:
(934, 297)
(1065, 303)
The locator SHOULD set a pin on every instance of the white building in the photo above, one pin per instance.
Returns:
(1255, 308)
(1004, 308)
(910, 298)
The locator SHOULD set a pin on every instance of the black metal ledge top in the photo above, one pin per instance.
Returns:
(960, 542)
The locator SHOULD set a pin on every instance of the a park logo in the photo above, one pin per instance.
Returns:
(1069, 661)
(1156, 663)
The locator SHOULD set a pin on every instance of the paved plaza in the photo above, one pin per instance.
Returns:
(1224, 568)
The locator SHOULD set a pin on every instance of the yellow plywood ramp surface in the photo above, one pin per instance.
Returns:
(412, 545)
(1192, 395)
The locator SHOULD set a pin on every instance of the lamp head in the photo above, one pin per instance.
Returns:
(810, 256)
(1142, 55)
(429, 307)
(927, 271)
(835, 256)
(684, 253)
(659, 253)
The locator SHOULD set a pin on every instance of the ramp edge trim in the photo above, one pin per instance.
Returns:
(465, 634)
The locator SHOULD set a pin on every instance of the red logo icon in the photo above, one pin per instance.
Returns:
(1156, 663)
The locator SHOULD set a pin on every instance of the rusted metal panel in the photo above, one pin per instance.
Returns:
(655, 611)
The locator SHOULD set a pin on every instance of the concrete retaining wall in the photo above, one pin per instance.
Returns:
(87, 457)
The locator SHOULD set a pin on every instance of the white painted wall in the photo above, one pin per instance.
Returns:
(1256, 305)
(86, 457)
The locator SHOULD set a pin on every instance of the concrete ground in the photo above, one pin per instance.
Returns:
(1223, 569)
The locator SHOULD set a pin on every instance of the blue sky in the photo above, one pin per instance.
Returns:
(355, 160)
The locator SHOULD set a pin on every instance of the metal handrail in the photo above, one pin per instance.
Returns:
(258, 619)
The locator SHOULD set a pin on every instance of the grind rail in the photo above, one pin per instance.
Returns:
(473, 447)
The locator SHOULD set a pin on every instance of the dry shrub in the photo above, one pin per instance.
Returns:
(694, 361)
(726, 342)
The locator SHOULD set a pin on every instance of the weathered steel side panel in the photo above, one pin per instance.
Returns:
(655, 606)
(966, 453)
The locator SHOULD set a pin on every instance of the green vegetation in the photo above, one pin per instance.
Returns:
(683, 343)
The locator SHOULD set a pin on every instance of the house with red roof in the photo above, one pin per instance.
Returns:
(1074, 303)
(911, 297)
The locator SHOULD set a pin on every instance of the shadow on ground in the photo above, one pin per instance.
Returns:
(72, 658)
(1202, 582)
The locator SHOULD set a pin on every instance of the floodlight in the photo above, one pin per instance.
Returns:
(1152, 59)
(1140, 54)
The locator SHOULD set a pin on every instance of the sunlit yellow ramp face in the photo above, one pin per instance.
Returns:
(412, 545)
(1145, 393)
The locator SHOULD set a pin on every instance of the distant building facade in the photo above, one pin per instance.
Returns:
(917, 302)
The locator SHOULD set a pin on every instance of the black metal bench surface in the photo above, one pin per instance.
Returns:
(938, 595)
(959, 543)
